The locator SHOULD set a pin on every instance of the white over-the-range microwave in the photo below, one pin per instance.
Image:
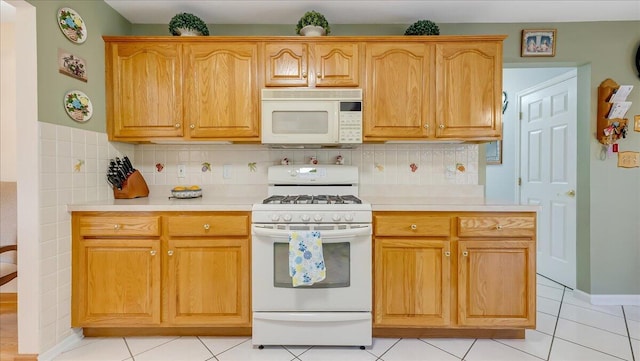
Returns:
(312, 117)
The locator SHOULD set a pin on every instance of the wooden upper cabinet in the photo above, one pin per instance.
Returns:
(469, 90)
(398, 92)
(330, 64)
(220, 90)
(144, 90)
(336, 64)
(286, 64)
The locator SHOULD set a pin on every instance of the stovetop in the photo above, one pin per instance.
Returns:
(312, 199)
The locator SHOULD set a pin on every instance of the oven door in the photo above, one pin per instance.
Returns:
(347, 256)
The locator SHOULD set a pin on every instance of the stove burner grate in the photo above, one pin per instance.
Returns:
(309, 199)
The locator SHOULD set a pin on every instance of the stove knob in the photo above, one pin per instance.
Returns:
(275, 217)
(317, 218)
(287, 218)
(336, 217)
(348, 217)
(305, 218)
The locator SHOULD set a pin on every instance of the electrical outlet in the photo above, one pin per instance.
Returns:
(182, 170)
(226, 171)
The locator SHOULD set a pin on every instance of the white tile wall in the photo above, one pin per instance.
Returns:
(71, 168)
(437, 164)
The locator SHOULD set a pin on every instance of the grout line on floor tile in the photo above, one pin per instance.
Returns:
(591, 348)
(469, 350)
(593, 309)
(626, 325)
(559, 284)
(154, 347)
(221, 352)
(387, 350)
(205, 346)
(128, 349)
(523, 351)
(597, 328)
(547, 298)
(555, 328)
(427, 342)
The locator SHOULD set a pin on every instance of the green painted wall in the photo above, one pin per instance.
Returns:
(100, 19)
(608, 197)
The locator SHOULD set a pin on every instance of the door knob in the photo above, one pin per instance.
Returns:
(571, 193)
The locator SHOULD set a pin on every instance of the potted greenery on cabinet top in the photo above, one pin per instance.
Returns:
(312, 23)
(423, 27)
(185, 24)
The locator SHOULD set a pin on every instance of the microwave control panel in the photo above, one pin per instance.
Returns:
(350, 130)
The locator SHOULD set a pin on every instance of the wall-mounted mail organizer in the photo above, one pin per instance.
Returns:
(612, 106)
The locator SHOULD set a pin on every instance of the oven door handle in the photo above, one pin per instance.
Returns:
(342, 233)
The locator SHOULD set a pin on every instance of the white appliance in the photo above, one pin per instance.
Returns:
(312, 117)
(337, 310)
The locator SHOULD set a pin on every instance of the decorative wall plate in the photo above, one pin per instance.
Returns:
(78, 106)
(72, 25)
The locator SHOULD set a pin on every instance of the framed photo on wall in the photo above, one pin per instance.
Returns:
(538, 42)
(72, 65)
(494, 152)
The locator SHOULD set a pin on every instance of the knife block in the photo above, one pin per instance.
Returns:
(133, 187)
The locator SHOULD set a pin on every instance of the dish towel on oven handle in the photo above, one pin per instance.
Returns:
(306, 262)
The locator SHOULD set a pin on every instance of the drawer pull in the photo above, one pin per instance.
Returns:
(192, 126)
(177, 125)
(465, 253)
(447, 253)
(414, 227)
(170, 253)
(116, 226)
(153, 253)
(207, 226)
(499, 227)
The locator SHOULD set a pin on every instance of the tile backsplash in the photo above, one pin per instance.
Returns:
(393, 164)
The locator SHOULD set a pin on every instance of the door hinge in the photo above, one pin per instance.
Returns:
(519, 181)
(520, 115)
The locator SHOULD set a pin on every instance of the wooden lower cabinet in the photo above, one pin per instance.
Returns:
(454, 274)
(158, 270)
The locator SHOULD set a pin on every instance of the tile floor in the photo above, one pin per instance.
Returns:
(568, 330)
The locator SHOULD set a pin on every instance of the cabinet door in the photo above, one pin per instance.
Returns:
(286, 64)
(469, 90)
(221, 90)
(398, 91)
(209, 281)
(144, 90)
(411, 282)
(336, 64)
(118, 282)
(496, 283)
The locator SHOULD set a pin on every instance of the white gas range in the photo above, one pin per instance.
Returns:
(336, 310)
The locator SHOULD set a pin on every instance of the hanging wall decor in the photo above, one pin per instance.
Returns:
(72, 25)
(540, 42)
(72, 65)
(78, 106)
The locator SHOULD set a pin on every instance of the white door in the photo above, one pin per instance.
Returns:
(548, 171)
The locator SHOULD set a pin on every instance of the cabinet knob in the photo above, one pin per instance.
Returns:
(499, 227)
(465, 253)
(192, 126)
(441, 126)
(116, 226)
(447, 253)
(153, 253)
(304, 74)
(319, 76)
(207, 226)
(426, 126)
(170, 253)
(414, 227)
(177, 125)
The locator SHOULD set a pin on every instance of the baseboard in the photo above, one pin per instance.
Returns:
(607, 300)
(25, 358)
(61, 347)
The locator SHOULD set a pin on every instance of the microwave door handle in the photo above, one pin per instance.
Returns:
(326, 235)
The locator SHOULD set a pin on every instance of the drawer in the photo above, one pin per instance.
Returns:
(497, 226)
(106, 226)
(410, 224)
(208, 225)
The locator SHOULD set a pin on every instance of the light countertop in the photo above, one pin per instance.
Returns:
(445, 204)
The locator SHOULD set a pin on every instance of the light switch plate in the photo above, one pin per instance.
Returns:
(226, 171)
(182, 170)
